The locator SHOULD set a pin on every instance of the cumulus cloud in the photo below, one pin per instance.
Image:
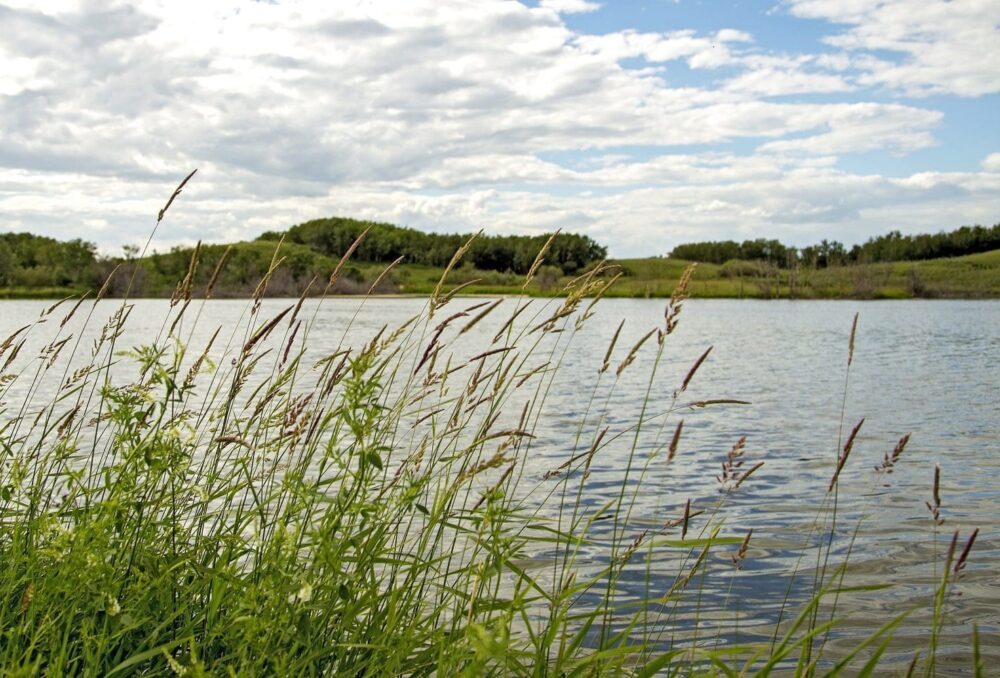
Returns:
(570, 6)
(770, 75)
(943, 47)
(447, 115)
(699, 51)
(991, 163)
(865, 127)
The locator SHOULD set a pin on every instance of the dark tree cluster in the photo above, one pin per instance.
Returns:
(28, 260)
(243, 265)
(894, 246)
(386, 242)
(771, 251)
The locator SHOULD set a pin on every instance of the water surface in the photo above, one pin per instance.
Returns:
(923, 367)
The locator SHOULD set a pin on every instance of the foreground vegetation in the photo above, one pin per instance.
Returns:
(242, 507)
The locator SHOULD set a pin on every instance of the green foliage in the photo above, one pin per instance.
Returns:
(971, 276)
(893, 246)
(28, 260)
(770, 251)
(736, 268)
(305, 256)
(386, 242)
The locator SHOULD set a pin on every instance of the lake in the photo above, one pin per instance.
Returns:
(929, 368)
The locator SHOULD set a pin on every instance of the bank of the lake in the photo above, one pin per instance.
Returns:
(974, 276)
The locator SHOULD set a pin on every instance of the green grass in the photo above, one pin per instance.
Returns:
(38, 292)
(973, 276)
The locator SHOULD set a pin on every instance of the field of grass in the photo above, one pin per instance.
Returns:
(38, 292)
(973, 276)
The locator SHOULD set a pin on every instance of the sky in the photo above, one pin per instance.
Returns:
(644, 124)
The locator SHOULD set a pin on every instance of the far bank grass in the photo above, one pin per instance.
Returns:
(974, 276)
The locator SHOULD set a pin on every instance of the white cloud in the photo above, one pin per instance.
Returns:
(944, 47)
(570, 6)
(699, 51)
(991, 163)
(865, 127)
(768, 75)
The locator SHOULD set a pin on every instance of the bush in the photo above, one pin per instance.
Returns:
(741, 268)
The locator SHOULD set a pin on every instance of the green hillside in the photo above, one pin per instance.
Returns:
(970, 276)
(303, 258)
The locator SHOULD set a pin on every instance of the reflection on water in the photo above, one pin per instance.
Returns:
(929, 368)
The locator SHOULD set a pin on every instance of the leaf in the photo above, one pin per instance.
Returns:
(869, 667)
(692, 543)
(718, 401)
(883, 630)
(148, 654)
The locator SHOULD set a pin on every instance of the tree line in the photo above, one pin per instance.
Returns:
(310, 250)
(893, 246)
(34, 261)
(385, 243)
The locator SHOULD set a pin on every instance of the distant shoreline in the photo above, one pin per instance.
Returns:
(5, 295)
(975, 276)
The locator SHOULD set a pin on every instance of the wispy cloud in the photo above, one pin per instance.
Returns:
(942, 47)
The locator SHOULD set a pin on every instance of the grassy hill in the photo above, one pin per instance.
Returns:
(971, 276)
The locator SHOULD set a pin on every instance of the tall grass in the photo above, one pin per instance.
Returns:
(244, 507)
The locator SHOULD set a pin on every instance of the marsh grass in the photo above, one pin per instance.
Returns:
(246, 507)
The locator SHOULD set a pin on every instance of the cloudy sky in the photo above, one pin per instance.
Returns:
(642, 123)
